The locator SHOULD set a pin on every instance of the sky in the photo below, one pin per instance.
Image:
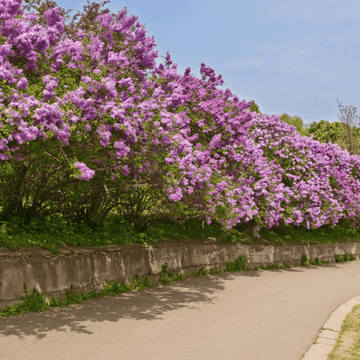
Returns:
(298, 57)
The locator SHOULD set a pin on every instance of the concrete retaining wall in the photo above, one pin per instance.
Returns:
(88, 267)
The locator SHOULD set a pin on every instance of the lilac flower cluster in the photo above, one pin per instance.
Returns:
(211, 151)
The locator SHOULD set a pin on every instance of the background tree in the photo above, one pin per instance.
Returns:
(254, 107)
(325, 131)
(294, 121)
(350, 131)
(345, 133)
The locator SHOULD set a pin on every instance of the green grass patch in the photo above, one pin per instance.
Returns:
(56, 230)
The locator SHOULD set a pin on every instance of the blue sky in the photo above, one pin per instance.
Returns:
(294, 57)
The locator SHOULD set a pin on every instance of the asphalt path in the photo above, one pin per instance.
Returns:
(254, 315)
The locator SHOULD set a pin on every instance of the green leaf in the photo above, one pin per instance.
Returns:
(7, 169)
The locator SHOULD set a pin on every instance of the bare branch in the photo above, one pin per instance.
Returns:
(350, 133)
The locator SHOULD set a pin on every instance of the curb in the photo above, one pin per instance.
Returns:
(330, 331)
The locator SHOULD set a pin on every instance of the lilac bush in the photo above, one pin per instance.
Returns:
(296, 121)
(177, 134)
(30, 91)
(80, 163)
(314, 173)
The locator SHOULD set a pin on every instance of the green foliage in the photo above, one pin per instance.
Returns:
(254, 107)
(294, 121)
(337, 133)
(304, 260)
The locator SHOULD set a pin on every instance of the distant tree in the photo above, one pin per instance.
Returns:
(325, 131)
(294, 121)
(254, 107)
(350, 131)
(345, 133)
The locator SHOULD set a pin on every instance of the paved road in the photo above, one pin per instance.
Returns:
(255, 315)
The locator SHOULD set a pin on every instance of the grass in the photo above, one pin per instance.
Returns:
(53, 231)
(347, 345)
